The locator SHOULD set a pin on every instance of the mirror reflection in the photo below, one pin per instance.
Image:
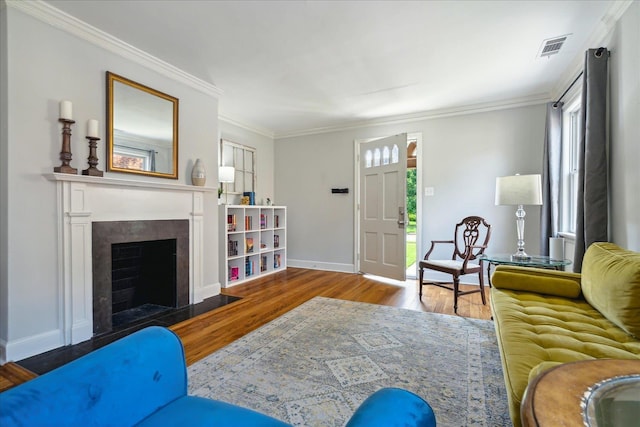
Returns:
(142, 129)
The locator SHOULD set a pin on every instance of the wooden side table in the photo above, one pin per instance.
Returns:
(554, 397)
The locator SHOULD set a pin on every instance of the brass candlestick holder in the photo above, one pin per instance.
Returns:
(92, 170)
(65, 153)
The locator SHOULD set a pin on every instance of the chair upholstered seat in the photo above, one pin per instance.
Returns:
(448, 264)
(466, 249)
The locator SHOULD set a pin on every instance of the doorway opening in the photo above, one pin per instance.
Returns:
(411, 228)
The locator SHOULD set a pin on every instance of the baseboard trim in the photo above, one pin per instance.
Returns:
(318, 265)
(30, 346)
(207, 291)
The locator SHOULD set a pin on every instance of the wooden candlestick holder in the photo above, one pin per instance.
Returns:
(92, 170)
(65, 152)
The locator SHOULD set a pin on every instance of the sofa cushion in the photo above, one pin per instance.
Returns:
(611, 284)
(538, 280)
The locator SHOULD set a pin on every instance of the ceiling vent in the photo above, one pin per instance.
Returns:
(552, 46)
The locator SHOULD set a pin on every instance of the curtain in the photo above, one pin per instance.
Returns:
(552, 158)
(152, 160)
(593, 200)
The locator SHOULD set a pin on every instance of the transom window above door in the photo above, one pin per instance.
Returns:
(382, 157)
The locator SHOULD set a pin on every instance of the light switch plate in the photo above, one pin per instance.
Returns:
(429, 191)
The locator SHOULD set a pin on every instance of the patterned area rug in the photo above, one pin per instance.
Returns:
(314, 365)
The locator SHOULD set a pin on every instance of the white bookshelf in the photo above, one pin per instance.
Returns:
(254, 240)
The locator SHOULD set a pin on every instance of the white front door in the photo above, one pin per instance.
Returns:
(382, 214)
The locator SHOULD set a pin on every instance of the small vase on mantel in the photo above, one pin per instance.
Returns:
(198, 174)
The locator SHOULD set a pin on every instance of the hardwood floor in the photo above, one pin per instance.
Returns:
(267, 298)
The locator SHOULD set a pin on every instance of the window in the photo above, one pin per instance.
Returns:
(243, 159)
(373, 159)
(133, 158)
(569, 183)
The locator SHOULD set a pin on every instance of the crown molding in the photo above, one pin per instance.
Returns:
(59, 19)
(424, 115)
(251, 128)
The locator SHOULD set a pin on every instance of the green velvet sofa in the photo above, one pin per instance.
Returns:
(544, 318)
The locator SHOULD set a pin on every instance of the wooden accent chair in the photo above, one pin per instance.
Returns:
(471, 238)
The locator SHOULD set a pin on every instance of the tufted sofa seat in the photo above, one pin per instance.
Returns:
(545, 318)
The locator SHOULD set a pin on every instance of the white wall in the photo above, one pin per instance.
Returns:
(625, 129)
(461, 157)
(45, 65)
(264, 154)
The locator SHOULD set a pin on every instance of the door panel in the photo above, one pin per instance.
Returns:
(382, 245)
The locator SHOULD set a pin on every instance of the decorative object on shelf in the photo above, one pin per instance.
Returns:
(92, 136)
(226, 174)
(252, 197)
(198, 174)
(268, 201)
(66, 118)
(519, 190)
(244, 200)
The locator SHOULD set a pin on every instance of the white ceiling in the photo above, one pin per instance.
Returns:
(288, 67)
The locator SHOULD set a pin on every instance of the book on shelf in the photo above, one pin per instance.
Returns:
(276, 241)
(276, 221)
(248, 244)
(277, 261)
(263, 221)
(232, 247)
(251, 195)
(263, 263)
(234, 273)
(231, 222)
(249, 267)
(248, 222)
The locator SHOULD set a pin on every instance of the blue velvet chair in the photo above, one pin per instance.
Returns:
(142, 380)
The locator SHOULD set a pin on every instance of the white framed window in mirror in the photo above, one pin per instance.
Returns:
(243, 158)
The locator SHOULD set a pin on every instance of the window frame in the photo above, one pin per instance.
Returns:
(239, 155)
(571, 135)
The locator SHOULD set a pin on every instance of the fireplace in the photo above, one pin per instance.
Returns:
(139, 268)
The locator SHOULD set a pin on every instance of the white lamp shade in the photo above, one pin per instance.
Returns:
(519, 190)
(226, 174)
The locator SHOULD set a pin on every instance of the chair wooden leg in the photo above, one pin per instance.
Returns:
(456, 287)
(484, 299)
(420, 282)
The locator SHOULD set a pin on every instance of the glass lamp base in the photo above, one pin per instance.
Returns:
(520, 256)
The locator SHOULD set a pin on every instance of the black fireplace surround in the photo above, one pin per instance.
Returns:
(109, 233)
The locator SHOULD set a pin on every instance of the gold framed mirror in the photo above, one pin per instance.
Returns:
(142, 129)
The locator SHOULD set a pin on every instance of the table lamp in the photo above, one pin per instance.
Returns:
(519, 190)
(226, 174)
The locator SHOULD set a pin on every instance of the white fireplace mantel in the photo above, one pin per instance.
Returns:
(85, 199)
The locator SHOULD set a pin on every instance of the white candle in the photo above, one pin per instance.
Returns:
(92, 128)
(66, 109)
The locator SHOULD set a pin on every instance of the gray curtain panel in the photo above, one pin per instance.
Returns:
(592, 222)
(550, 214)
